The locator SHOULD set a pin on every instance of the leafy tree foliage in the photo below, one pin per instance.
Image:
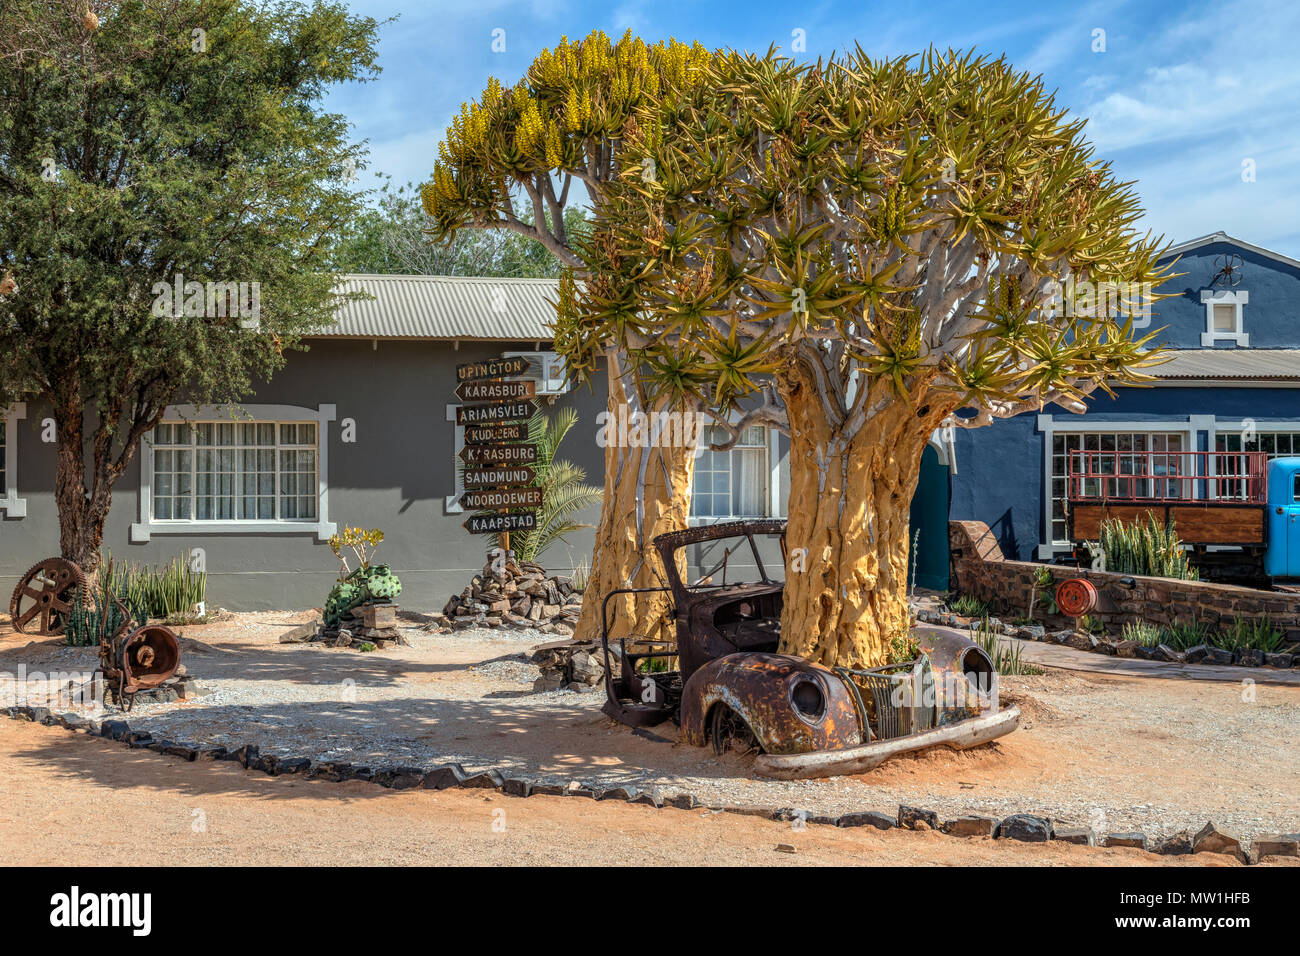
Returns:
(392, 236)
(142, 142)
(515, 160)
(873, 246)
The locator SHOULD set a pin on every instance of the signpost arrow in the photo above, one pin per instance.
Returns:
(490, 391)
(502, 498)
(499, 454)
(485, 414)
(476, 479)
(492, 434)
(501, 523)
(494, 368)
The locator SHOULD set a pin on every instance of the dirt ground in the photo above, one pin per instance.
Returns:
(1113, 752)
(72, 800)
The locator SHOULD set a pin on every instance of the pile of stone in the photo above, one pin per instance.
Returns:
(569, 664)
(515, 594)
(373, 624)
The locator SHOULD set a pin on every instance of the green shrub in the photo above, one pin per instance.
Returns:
(169, 592)
(1148, 635)
(1244, 634)
(100, 616)
(967, 605)
(1182, 636)
(1005, 657)
(1146, 548)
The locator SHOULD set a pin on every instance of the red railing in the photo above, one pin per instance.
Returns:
(1166, 476)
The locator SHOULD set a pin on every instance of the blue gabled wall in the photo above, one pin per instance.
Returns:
(1000, 477)
(1272, 316)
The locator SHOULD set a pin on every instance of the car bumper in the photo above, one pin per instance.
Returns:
(828, 763)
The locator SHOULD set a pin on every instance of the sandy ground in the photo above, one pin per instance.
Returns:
(1114, 752)
(74, 800)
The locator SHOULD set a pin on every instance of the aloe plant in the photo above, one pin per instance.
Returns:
(1146, 548)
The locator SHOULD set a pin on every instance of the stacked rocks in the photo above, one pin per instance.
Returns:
(517, 594)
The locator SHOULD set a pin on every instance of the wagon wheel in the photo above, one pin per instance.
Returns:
(43, 599)
(730, 732)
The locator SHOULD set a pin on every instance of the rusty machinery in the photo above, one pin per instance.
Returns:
(43, 598)
(722, 680)
(136, 658)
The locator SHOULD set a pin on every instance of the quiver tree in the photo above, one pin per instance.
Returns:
(873, 244)
(148, 148)
(511, 160)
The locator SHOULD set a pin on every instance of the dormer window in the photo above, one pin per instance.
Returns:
(1223, 318)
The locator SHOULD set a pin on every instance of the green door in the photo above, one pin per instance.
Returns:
(929, 516)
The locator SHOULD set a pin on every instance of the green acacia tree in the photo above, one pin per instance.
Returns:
(526, 147)
(144, 144)
(869, 245)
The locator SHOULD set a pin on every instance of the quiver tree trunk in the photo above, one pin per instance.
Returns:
(647, 493)
(851, 484)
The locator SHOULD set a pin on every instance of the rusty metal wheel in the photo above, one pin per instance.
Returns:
(730, 732)
(43, 599)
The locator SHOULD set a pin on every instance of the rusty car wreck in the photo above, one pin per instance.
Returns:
(731, 688)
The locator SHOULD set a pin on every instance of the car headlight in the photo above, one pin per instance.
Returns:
(808, 699)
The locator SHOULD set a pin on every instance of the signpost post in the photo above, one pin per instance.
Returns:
(496, 450)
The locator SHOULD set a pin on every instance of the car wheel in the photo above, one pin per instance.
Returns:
(730, 732)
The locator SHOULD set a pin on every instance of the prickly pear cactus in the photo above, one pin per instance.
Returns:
(382, 583)
(346, 595)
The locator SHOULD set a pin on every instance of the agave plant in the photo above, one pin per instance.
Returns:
(1148, 548)
(564, 489)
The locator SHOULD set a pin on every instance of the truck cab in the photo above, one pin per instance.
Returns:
(1282, 558)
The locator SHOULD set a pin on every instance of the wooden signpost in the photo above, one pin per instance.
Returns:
(496, 391)
(493, 434)
(496, 412)
(498, 476)
(489, 498)
(499, 454)
(496, 450)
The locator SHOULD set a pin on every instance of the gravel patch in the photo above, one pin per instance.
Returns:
(1116, 753)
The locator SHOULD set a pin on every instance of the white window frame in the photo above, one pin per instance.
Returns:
(1210, 298)
(322, 527)
(10, 503)
(774, 497)
(1049, 427)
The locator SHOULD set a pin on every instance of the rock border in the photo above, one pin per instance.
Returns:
(1024, 827)
(1112, 646)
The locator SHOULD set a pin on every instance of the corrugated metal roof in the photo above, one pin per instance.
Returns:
(1230, 364)
(446, 307)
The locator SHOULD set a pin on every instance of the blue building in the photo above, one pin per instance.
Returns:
(1232, 385)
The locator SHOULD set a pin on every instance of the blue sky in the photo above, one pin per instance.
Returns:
(1181, 97)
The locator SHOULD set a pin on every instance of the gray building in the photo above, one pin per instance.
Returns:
(357, 430)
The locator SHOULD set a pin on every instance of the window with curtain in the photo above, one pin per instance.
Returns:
(235, 471)
(732, 483)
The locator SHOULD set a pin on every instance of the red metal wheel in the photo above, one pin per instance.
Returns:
(1076, 597)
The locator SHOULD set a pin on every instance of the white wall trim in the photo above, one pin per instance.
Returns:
(1210, 298)
(146, 526)
(10, 503)
(451, 503)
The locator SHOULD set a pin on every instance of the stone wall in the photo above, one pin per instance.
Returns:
(979, 569)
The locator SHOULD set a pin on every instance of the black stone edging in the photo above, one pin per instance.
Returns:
(1023, 827)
